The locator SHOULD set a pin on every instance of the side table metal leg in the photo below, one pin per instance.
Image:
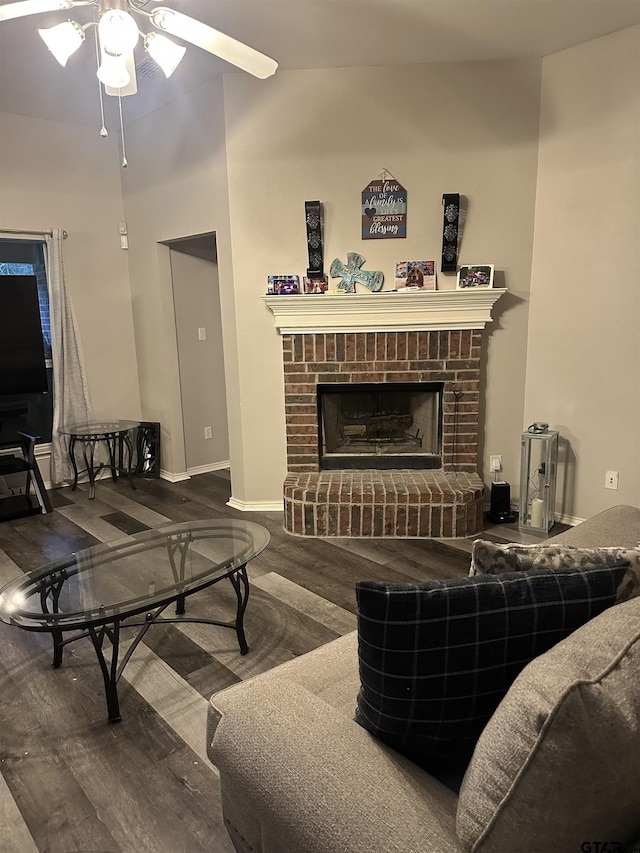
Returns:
(58, 646)
(126, 438)
(109, 673)
(110, 441)
(72, 457)
(240, 582)
(90, 444)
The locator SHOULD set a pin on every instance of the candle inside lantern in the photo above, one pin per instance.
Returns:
(537, 512)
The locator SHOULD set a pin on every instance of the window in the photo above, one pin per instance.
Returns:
(28, 412)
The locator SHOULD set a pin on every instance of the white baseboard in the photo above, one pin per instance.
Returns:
(206, 469)
(174, 478)
(193, 472)
(570, 519)
(256, 506)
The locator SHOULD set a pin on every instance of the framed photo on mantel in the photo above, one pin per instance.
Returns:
(415, 275)
(475, 275)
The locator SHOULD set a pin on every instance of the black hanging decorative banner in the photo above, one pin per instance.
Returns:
(313, 216)
(451, 205)
(384, 208)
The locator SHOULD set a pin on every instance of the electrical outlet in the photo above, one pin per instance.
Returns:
(208, 432)
(202, 333)
(495, 463)
(611, 480)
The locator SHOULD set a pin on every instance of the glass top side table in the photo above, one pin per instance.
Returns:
(114, 435)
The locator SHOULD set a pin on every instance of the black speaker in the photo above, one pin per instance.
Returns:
(500, 507)
(147, 450)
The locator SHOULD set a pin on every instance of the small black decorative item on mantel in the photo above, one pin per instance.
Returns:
(315, 280)
(313, 221)
(450, 227)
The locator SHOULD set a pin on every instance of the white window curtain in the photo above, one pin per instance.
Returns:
(71, 401)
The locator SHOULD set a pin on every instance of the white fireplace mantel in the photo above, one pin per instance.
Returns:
(387, 311)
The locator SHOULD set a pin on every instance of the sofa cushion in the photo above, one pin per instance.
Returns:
(491, 558)
(559, 761)
(436, 658)
(494, 558)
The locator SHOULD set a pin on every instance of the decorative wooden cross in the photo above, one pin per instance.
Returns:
(352, 272)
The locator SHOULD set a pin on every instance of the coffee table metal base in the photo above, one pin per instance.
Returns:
(110, 631)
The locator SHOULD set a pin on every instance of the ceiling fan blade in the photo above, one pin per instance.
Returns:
(32, 7)
(204, 36)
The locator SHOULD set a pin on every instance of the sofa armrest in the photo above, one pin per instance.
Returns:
(298, 774)
(616, 527)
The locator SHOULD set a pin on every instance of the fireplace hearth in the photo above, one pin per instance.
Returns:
(382, 399)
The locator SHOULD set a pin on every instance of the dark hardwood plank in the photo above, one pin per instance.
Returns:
(54, 806)
(84, 774)
(125, 523)
(32, 542)
(188, 659)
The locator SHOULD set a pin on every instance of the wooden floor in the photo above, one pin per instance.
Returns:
(72, 783)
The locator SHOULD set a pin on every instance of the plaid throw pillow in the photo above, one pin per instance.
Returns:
(436, 658)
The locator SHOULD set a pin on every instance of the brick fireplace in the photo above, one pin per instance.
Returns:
(420, 345)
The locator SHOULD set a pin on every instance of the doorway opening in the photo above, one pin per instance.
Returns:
(198, 322)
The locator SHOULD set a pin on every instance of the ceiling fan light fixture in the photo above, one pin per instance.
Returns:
(63, 40)
(113, 71)
(166, 53)
(118, 32)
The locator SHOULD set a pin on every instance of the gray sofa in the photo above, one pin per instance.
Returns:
(557, 769)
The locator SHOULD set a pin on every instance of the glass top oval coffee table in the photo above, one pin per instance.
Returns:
(130, 582)
(113, 435)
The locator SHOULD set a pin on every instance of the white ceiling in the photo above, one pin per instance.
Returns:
(304, 34)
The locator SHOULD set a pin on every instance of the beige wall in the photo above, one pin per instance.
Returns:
(176, 187)
(204, 402)
(583, 365)
(470, 128)
(57, 175)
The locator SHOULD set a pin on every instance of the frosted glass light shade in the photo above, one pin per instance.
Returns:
(166, 53)
(132, 86)
(63, 40)
(118, 32)
(113, 71)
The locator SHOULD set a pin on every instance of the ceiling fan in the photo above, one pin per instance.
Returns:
(118, 34)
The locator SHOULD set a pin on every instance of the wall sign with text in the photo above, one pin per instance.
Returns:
(384, 209)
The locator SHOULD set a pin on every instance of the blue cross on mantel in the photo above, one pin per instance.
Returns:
(352, 273)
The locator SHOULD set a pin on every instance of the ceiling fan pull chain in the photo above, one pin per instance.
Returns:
(124, 148)
(103, 129)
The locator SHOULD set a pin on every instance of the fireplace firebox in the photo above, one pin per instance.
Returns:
(382, 426)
